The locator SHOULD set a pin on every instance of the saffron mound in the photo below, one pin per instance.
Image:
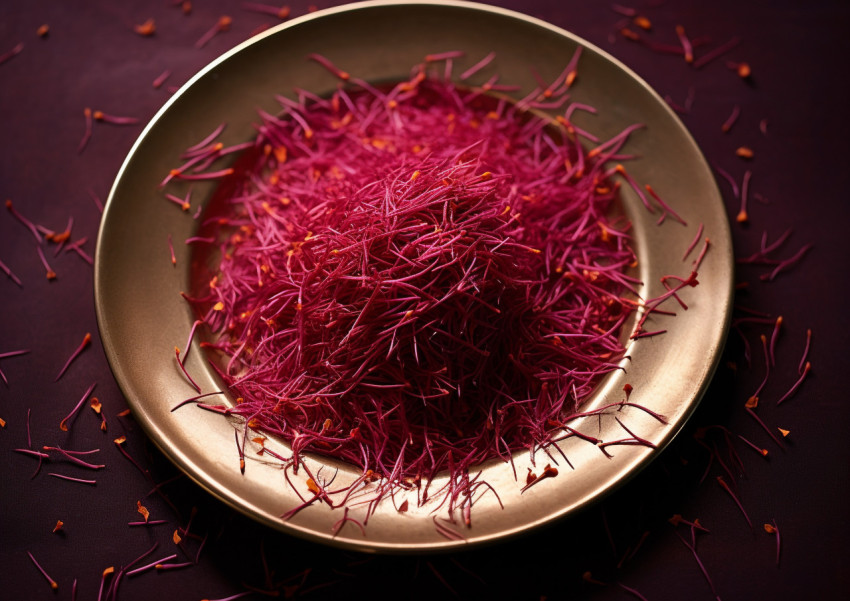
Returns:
(417, 279)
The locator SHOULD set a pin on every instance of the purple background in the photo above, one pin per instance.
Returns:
(92, 57)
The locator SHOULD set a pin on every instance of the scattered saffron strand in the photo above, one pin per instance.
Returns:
(755, 416)
(63, 425)
(26, 222)
(631, 591)
(50, 275)
(160, 79)
(701, 566)
(86, 341)
(80, 480)
(730, 121)
(10, 274)
(803, 361)
(742, 216)
(774, 337)
(687, 46)
(151, 565)
(772, 528)
(9, 54)
(787, 263)
(726, 487)
(281, 12)
(806, 368)
(716, 53)
(50, 580)
(223, 24)
(96, 199)
(88, 130)
(113, 119)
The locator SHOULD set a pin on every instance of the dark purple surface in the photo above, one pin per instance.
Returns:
(92, 57)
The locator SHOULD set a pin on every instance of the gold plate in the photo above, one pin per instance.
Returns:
(142, 316)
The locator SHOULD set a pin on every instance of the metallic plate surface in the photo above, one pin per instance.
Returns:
(142, 316)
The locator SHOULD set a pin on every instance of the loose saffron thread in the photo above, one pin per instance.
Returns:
(806, 369)
(730, 121)
(281, 12)
(223, 24)
(86, 341)
(50, 580)
(63, 425)
(69, 478)
(728, 489)
(26, 222)
(160, 79)
(10, 274)
(87, 132)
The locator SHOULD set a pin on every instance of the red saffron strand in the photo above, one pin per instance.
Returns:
(223, 24)
(730, 121)
(726, 487)
(742, 216)
(26, 222)
(63, 425)
(10, 274)
(281, 12)
(773, 529)
(69, 478)
(86, 341)
(87, 113)
(806, 369)
(803, 361)
(50, 580)
(716, 53)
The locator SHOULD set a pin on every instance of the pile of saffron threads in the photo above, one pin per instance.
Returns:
(418, 279)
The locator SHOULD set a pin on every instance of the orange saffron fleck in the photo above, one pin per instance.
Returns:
(643, 22)
(403, 507)
(280, 154)
(283, 12)
(143, 510)
(96, 405)
(744, 70)
(224, 22)
(219, 306)
(186, 7)
(769, 529)
(752, 402)
(2, 423)
(571, 77)
(784, 432)
(43, 31)
(742, 217)
(148, 28)
(676, 519)
(124, 413)
(120, 440)
(312, 486)
(58, 526)
(486, 175)
(629, 34)
(176, 537)
(745, 152)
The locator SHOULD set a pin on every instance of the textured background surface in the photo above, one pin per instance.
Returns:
(92, 58)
